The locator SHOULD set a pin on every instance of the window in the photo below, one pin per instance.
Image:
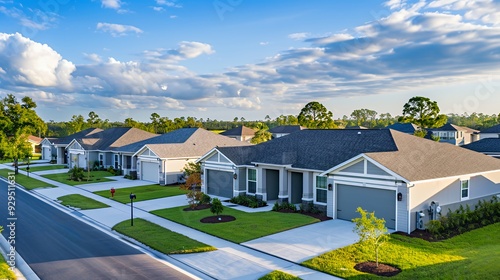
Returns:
(321, 189)
(117, 161)
(252, 180)
(465, 189)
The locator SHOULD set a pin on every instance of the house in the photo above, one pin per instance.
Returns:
(35, 144)
(392, 173)
(100, 148)
(240, 133)
(454, 134)
(284, 130)
(487, 146)
(161, 159)
(408, 128)
(492, 132)
(55, 148)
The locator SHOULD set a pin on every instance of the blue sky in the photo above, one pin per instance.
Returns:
(221, 59)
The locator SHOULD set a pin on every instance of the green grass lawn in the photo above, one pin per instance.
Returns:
(23, 180)
(143, 192)
(161, 239)
(279, 275)
(34, 168)
(95, 177)
(472, 255)
(82, 202)
(247, 226)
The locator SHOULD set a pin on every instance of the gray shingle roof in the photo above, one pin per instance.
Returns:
(286, 129)
(493, 129)
(411, 157)
(484, 145)
(239, 131)
(113, 138)
(313, 149)
(404, 127)
(184, 142)
(452, 127)
(67, 139)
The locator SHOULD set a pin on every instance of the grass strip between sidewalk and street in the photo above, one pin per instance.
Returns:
(472, 255)
(80, 201)
(279, 275)
(142, 193)
(95, 177)
(160, 238)
(35, 168)
(247, 226)
(23, 180)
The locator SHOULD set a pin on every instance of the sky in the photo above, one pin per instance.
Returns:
(220, 59)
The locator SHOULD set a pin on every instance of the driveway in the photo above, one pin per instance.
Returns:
(303, 243)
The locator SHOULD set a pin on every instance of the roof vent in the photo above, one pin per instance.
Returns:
(359, 132)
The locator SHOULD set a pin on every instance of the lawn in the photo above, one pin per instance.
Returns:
(161, 239)
(472, 255)
(23, 180)
(80, 201)
(34, 168)
(95, 177)
(5, 272)
(279, 275)
(143, 192)
(247, 226)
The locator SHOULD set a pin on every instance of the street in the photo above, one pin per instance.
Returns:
(58, 246)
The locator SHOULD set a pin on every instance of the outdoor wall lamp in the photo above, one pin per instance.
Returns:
(400, 196)
(235, 176)
(330, 187)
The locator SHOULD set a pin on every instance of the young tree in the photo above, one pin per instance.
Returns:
(315, 115)
(371, 230)
(262, 134)
(423, 112)
(17, 122)
(216, 207)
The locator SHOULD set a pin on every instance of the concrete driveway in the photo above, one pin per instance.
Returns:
(300, 244)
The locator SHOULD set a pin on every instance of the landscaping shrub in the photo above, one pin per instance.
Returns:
(284, 206)
(216, 207)
(76, 174)
(205, 199)
(464, 219)
(248, 201)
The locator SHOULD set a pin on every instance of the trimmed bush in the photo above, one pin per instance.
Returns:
(248, 201)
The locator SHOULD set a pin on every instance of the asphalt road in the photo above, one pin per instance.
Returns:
(58, 246)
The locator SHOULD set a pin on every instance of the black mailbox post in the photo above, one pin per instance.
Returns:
(132, 197)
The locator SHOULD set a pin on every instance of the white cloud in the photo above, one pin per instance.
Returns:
(264, 43)
(93, 57)
(118, 29)
(170, 4)
(30, 63)
(112, 4)
(298, 36)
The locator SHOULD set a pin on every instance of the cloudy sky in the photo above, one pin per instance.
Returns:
(221, 59)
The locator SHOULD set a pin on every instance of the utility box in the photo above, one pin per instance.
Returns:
(434, 210)
(420, 219)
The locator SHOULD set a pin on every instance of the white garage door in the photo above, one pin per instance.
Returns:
(149, 171)
(82, 163)
(380, 201)
(46, 153)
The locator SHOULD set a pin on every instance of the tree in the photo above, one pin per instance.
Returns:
(364, 117)
(94, 120)
(17, 122)
(315, 115)
(423, 112)
(216, 207)
(76, 124)
(262, 134)
(371, 230)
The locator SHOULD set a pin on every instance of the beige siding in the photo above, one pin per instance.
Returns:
(174, 169)
(402, 212)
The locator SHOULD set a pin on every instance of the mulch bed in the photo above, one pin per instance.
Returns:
(425, 235)
(217, 219)
(381, 270)
(198, 207)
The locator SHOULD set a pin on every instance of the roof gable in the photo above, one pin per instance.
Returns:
(239, 131)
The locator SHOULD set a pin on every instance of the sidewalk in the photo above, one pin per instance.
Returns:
(230, 261)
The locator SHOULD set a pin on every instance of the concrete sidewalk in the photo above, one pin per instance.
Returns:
(230, 261)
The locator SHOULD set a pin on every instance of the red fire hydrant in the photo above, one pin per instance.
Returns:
(112, 191)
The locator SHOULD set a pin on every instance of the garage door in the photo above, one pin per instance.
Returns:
(382, 202)
(220, 183)
(46, 153)
(149, 171)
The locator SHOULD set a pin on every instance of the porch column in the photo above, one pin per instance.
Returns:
(283, 193)
(261, 193)
(307, 187)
